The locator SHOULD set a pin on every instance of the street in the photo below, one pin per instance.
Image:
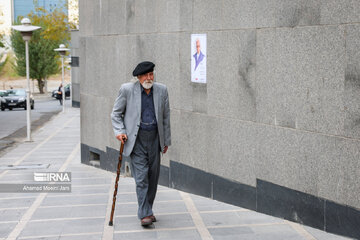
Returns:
(13, 123)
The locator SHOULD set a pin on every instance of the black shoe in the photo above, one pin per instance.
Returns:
(153, 218)
(146, 221)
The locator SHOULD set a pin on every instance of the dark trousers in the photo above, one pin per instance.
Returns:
(145, 167)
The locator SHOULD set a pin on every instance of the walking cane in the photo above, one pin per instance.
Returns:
(116, 184)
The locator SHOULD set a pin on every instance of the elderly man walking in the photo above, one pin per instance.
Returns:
(141, 120)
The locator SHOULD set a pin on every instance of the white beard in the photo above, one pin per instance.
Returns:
(147, 85)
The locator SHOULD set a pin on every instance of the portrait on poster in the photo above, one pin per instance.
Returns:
(198, 58)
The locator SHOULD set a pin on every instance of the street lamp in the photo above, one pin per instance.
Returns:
(62, 50)
(26, 30)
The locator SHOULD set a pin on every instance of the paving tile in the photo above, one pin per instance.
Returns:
(17, 195)
(84, 226)
(42, 238)
(94, 181)
(164, 221)
(18, 172)
(280, 233)
(206, 204)
(169, 207)
(126, 197)
(127, 224)
(123, 188)
(68, 200)
(82, 237)
(85, 190)
(321, 235)
(159, 208)
(151, 235)
(192, 234)
(85, 174)
(11, 214)
(16, 202)
(126, 209)
(28, 176)
(230, 232)
(272, 232)
(43, 228)
(174, 221)
(165, 235)
(167, 195)
(6, 228)
(70, 212)
(231, 218)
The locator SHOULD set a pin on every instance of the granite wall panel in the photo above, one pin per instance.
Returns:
(340, 11)
(300, 78)
(352, 82)
(231, 91)
(287, 13)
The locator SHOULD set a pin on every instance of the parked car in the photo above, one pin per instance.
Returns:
(16, 98)
(54, 93)
(3, 93)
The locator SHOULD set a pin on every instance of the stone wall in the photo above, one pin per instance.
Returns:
(281, 105)
(75, 77)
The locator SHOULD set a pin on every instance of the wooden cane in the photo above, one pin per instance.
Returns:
(116, 184)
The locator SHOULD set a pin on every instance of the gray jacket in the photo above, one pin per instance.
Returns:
(126, 114)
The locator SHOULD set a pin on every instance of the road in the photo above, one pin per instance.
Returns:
(13, 123)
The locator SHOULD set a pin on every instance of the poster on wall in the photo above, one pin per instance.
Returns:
(198, 58)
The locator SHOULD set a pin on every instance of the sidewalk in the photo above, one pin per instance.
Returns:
(84, 213)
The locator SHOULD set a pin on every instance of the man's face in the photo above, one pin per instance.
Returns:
(146, 80)
(198, 46)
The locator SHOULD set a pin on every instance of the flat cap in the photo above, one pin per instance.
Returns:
(143, 67)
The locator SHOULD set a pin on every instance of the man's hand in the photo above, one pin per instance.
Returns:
(122, 138)
(165, 149)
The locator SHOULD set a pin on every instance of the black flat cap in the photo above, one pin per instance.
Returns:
(143, 67)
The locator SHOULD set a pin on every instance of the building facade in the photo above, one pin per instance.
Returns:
(275, 128)
(75, 64)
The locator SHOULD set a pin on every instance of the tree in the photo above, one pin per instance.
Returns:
(43, 60)
(73, 8)
(1, 41)
(2, 45)
(3, 63)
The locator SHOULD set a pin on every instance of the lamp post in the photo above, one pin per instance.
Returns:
(26, 30)
(62, 50)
